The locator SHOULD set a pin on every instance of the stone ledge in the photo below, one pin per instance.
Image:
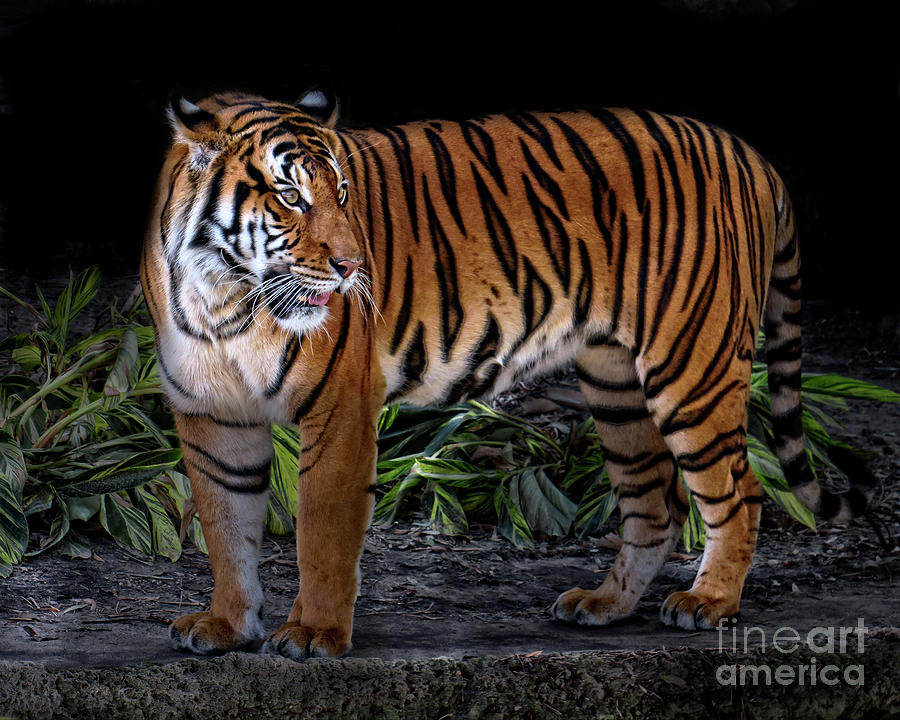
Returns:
(665, 683)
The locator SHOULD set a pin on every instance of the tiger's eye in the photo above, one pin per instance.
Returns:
(290, 196)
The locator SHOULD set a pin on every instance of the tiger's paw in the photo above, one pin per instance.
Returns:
(206, 634)
(299, 642)
(586, 607)
(692, 610)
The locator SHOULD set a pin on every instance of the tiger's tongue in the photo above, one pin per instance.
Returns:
(319, 299)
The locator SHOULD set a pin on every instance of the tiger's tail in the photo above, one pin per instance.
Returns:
(783, 351)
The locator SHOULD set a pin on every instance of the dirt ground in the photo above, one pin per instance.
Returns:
(424, 595)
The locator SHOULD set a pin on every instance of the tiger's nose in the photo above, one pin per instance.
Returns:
(344, 266)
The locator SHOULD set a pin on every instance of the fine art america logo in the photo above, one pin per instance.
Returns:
(787, 640)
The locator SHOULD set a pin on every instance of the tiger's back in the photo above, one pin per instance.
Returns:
(300, 273)
(517, 239)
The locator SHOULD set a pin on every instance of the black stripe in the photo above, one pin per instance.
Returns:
(550, 186)
(387, 224)
(336, 351)
(797, 470)
(634, 490)
(405, 308)
(787, 425)
(620, 278)
(677, 244)
(227, 423)
(502, 241)
(553, 235)
(682, 351)
(700, 240)
(787, 253)
(536, 300)
(255, 489)
(663, 196)
(724, 444)
(532, 127)
(174, 383)
(603, 384)
(787, 351)
(486, 350)
(414, 363)
(585, 292)
(400, 144)
(444, 162)
(778, 381)
(631, 150)
(288, 357)
(648, 544)
(482, 146)
(236, 470)
(599, 185)
(611, 415)
(445, 269)
(322, 431)
(752, 499)
(643, 271)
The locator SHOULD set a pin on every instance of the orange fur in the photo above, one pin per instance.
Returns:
(641, 246)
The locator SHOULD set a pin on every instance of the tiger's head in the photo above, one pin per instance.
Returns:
(258, 206)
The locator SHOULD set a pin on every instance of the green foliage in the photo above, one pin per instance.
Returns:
(552, 480)
(86, 442)
(85, 437)
(473, 462)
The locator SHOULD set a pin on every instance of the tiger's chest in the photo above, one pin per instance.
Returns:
(228, 379)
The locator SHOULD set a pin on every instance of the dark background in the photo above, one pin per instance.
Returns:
(813, 85)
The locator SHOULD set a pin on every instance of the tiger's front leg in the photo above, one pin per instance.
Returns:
(334, 509)
(229, 471)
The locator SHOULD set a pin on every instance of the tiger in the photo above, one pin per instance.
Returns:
(300, 272)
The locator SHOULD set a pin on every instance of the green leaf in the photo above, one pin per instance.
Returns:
(595, 508)
(127, 524)
(693, 534)
(829, 385)
(13, 525)
(545, 507)
(282, 508)
(511, 523)
(195, 533)
(164, 535)
(37, 498)
(13, 469)
(444, 509)
(28, 357)
(123, 475)
(791, 504)
(389, 505)
(125, 366)
(83, 508)
(72, 300)
(58, 513)
(458, 473)
(444, 433)
(75, 545)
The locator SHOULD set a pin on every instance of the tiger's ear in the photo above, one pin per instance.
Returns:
(321, 105)
(196, 128)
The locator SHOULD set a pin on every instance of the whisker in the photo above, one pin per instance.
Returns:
(356, 152)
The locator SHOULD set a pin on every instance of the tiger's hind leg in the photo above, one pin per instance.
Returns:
(709, 440)
(229, 473)
(643, 474)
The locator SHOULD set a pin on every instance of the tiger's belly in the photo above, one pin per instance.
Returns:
(466, 376)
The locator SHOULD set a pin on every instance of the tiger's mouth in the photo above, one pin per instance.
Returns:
(298, 298)
(300, 302)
